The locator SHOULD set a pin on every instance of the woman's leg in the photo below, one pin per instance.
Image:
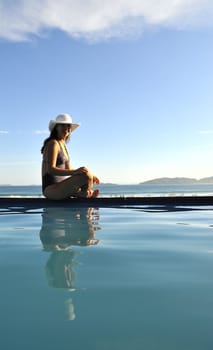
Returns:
(76, 185)
(86, 190)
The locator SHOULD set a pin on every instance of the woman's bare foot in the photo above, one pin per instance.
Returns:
(93, 193)
(87, 194)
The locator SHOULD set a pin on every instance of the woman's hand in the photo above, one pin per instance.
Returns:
(84, 170)
(81, 170)
(96, 180)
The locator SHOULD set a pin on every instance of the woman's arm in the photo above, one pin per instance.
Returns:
(52, 154)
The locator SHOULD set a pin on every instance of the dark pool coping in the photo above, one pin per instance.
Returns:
(32, 202)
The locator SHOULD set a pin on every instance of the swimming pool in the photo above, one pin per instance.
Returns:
(122, 278)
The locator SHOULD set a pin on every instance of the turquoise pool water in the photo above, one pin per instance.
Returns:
(123, 278)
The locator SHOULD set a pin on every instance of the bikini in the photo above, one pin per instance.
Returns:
(48, 179)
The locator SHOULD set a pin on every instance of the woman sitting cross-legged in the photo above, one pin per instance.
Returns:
(59, 179)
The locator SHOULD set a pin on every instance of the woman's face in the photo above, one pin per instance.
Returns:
(64, 130)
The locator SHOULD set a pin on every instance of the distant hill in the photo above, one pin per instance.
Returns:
(206, 180)
(178, 181)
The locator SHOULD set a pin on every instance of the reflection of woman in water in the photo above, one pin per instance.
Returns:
(61, 229)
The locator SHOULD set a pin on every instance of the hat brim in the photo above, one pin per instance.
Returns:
(74, 126)
(53, 123)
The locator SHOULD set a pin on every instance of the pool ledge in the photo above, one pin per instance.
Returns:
(32, 202)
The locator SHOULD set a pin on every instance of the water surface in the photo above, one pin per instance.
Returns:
(137, 278)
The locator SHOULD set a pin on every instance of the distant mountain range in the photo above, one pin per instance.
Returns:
(157, 181)
(178, 181)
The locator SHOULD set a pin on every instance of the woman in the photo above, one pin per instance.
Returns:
(59, 179)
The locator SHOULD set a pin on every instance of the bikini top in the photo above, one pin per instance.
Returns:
(48, 179)
(61, 158)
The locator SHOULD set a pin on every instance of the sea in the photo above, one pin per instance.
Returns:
(114, 190)
(123, 278)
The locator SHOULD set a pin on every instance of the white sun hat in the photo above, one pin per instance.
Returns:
(63, 119)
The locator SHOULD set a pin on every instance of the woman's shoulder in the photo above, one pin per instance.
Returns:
(53, 143)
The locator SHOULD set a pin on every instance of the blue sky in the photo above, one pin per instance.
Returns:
(136, 75)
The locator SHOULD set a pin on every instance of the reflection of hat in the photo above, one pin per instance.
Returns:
(62, 119)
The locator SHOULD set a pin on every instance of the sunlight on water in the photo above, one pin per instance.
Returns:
(90, 278)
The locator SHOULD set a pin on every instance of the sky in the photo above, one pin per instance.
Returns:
(136, 74)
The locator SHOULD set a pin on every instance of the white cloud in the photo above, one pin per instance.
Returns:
(4, 132)
(99, 19)
(41, 132)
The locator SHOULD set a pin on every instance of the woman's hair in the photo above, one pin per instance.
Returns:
(53, 136)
